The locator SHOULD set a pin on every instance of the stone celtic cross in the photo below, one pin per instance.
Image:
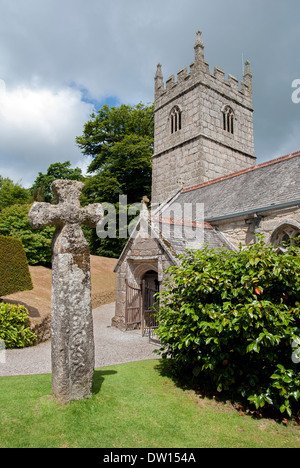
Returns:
(72, 338)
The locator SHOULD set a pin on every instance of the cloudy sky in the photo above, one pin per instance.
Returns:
(60, 59)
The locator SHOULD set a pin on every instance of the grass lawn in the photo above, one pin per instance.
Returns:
(133, 406)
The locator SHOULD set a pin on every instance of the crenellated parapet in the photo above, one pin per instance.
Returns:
(199, 73)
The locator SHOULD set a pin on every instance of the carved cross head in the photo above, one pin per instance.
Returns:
(68, 211)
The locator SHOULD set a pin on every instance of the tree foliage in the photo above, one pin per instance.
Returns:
(37, 244)
(41, 188)
(120, 140)
(230, 319)
(11, 193)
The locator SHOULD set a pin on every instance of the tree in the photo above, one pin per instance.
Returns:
(11, 193)
(41, 189)
(120, 140)
(37, 243)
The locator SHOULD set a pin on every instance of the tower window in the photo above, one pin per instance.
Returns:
(228, 120)
(175, 118)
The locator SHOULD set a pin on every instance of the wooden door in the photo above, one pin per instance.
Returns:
(133, 311)
(149, 306)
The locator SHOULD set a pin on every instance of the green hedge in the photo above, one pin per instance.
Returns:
(14, 271)
(230, 320)
(14, 326)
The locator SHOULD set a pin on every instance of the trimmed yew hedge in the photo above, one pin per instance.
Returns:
(14, 271)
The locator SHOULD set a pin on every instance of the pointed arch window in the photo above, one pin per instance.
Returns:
(284, 236)
(176, 119)
(228, 120)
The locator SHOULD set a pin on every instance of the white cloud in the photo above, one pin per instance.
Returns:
(83, 164)
(50, 49)
(38, 127)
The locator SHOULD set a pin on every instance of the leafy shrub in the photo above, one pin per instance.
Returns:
(37, 244)
(14, 327)
(230, 319)
(14, 271)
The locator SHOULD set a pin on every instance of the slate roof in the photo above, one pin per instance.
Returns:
(181, 239)
(261, 187)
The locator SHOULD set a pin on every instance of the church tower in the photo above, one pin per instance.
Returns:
(203, 126)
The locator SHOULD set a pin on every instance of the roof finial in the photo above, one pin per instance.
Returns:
(145, 200)
(159, 80)
(248, 75)
(199, 40)
(199, 48)
(247, 71)
(144, 215)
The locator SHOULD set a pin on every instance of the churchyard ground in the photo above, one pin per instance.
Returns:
(134, 405)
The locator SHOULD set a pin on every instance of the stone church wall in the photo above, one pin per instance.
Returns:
(242, 230)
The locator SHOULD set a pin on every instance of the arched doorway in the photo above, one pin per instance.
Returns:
(150, 287)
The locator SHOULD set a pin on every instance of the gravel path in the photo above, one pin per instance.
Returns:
(112, 346)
